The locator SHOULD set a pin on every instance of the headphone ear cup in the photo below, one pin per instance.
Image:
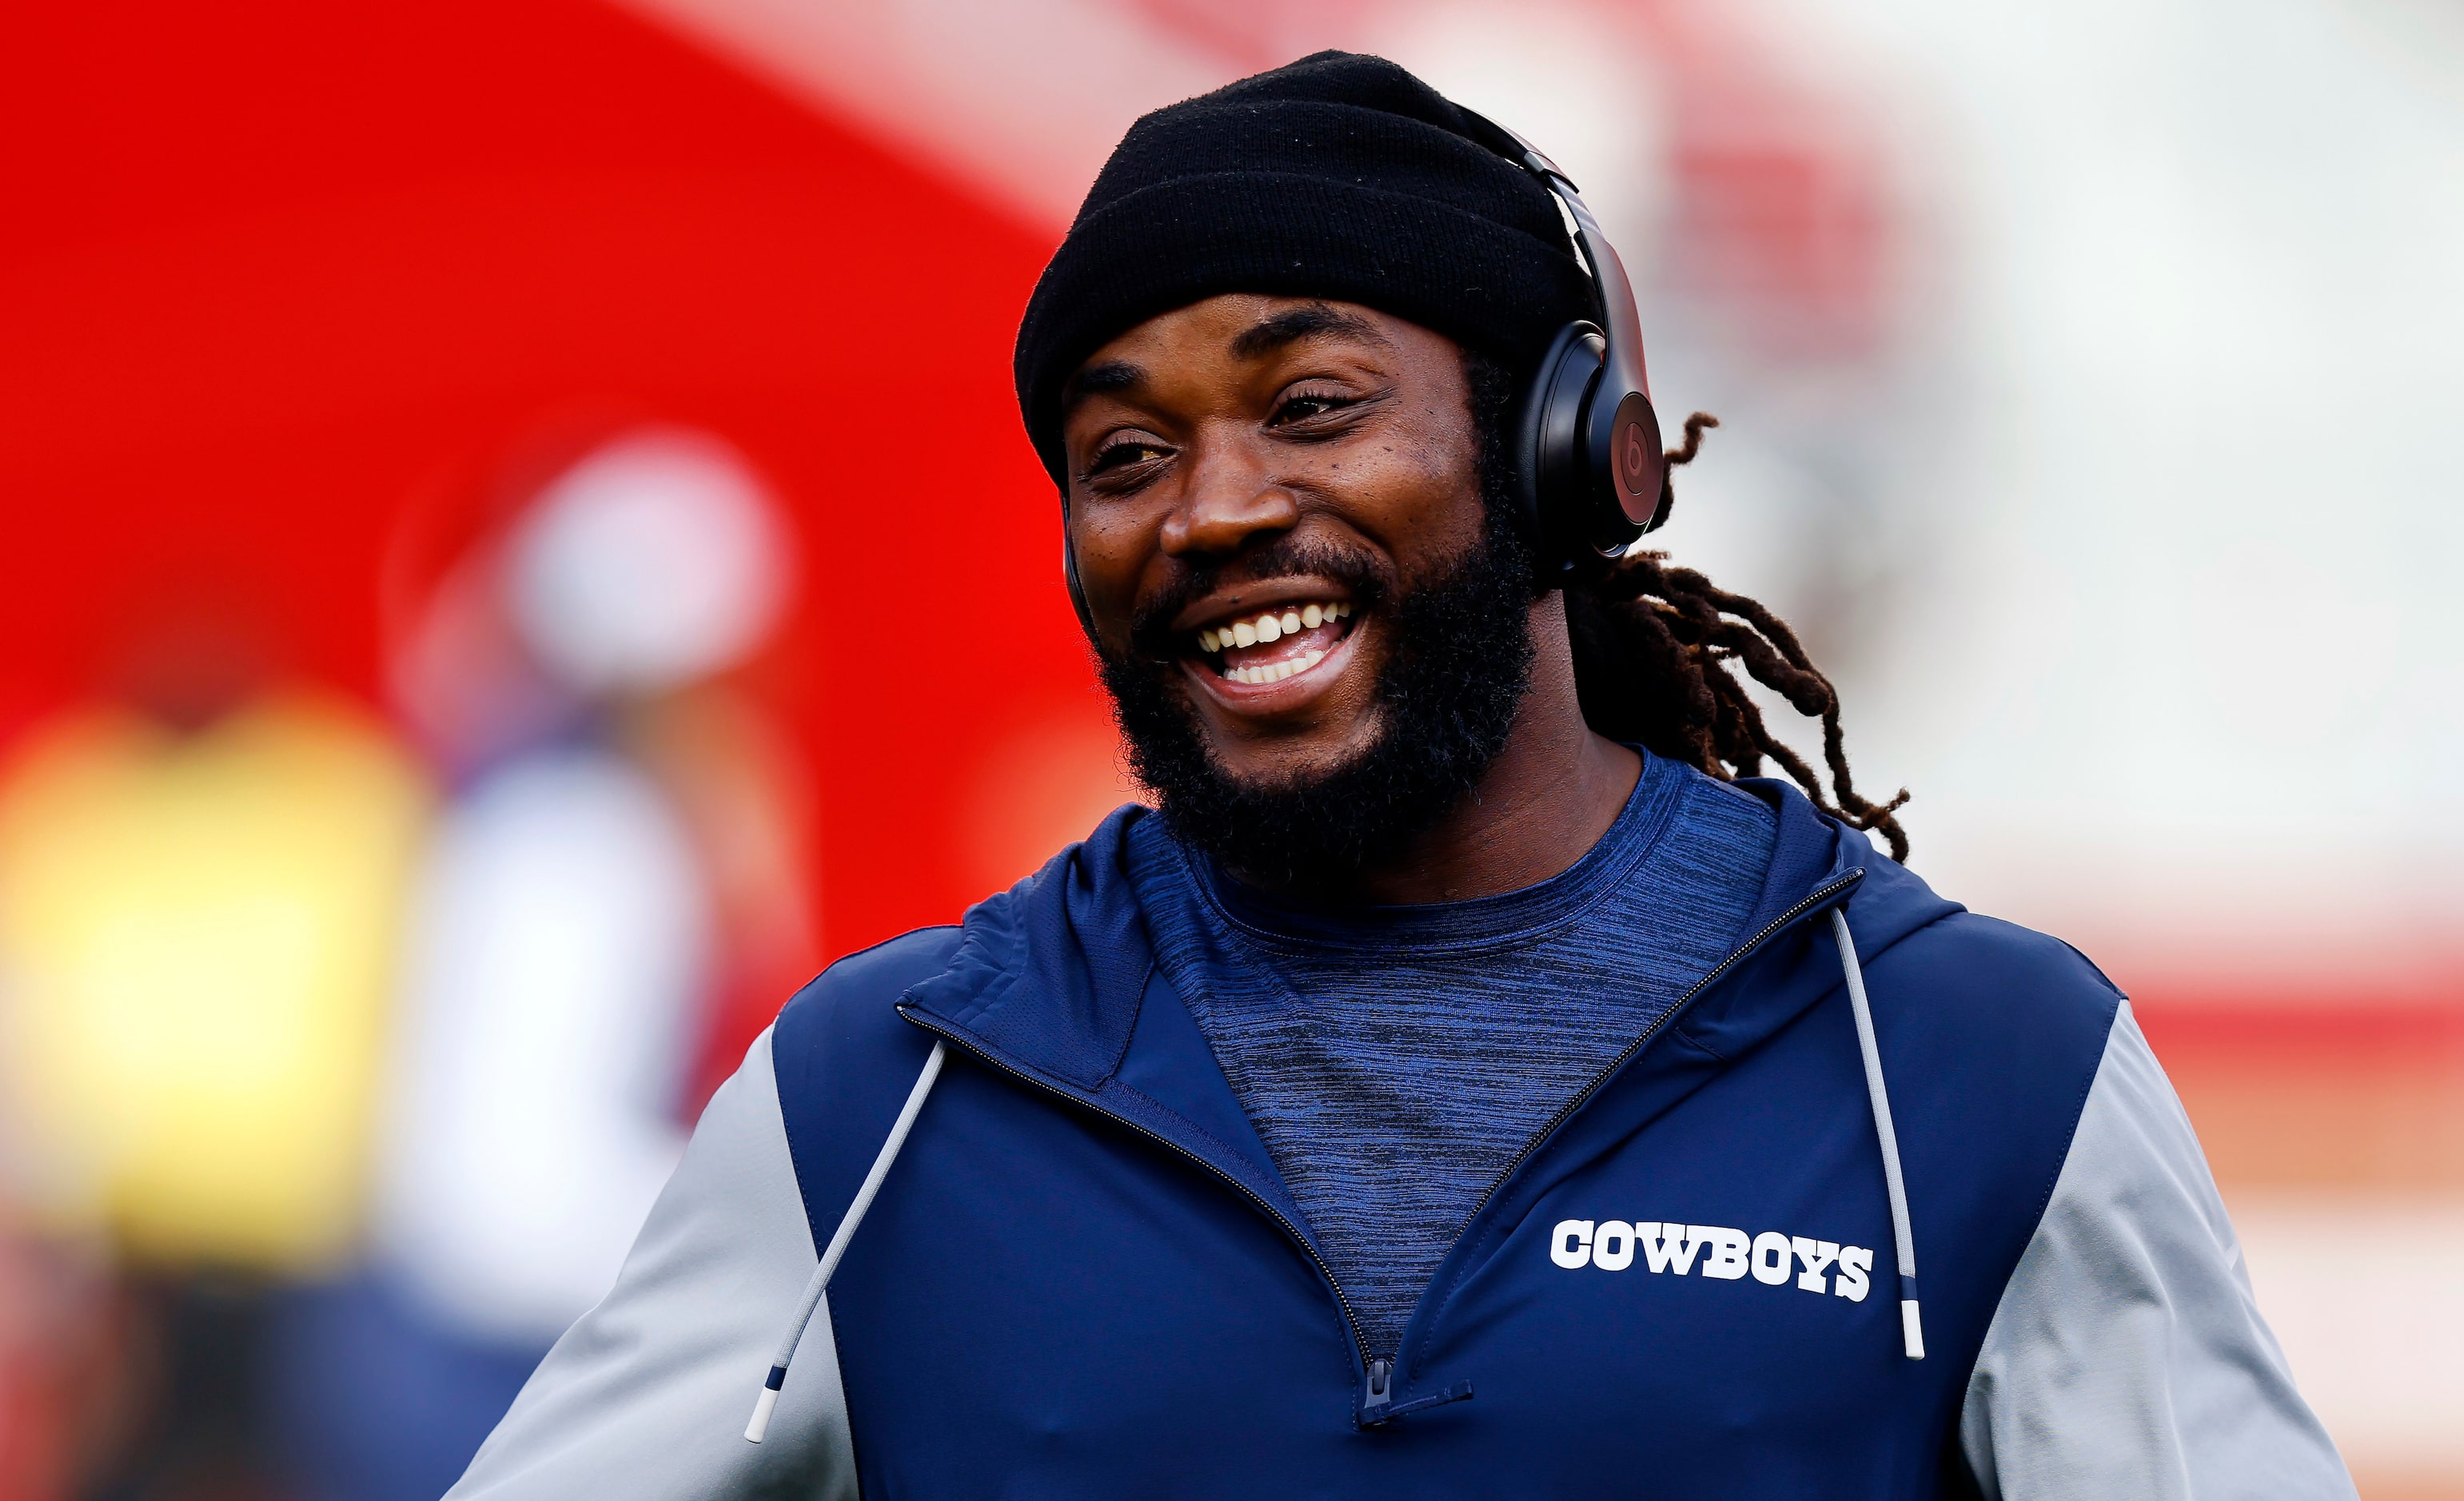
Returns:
(1550, 474)
(1593, 475)
(1069, 577)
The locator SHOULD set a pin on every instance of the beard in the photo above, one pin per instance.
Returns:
(1445, 700)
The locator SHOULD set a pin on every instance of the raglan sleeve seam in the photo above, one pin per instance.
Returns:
(647, 1395)
(2128, 1356)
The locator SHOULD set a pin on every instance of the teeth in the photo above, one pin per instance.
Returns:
(1273, 627)
(1275, 672)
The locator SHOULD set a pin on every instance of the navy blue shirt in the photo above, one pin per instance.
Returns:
(1396, 1060)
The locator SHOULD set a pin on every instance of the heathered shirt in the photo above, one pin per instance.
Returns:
(1394, 1061)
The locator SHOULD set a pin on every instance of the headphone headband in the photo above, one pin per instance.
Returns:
(1593, 474)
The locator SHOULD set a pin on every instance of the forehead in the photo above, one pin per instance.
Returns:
(1233, 331)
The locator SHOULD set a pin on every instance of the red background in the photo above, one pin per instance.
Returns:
(277, 271)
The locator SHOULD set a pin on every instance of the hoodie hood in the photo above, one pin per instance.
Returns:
(1049, 977)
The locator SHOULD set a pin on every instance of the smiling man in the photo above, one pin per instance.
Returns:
(1473, 1079)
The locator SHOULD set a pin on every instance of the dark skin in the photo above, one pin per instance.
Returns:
(1204, 436)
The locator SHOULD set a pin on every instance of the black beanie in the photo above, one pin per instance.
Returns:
(1338, 176)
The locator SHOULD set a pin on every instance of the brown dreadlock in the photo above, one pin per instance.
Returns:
(1651, 641)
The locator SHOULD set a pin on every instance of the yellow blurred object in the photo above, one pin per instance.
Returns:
(197, 941)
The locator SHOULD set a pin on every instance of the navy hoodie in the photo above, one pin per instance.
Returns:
(1080, 1274)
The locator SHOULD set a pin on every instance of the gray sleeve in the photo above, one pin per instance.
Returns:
(2127, 1358)
(648, 1393)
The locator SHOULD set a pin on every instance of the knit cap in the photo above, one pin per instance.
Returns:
(1339, 176)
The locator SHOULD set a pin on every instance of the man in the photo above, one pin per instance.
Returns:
(1473, 1081)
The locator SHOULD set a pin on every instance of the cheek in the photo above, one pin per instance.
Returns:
(1421, 498)
(1114, 548)
(1106, 544)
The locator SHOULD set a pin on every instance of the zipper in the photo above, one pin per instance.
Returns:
(1376, 1371)
(1806, 904)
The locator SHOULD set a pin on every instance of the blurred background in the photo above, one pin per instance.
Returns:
(518, 549)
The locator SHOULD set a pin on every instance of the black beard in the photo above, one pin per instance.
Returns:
(1459, 664)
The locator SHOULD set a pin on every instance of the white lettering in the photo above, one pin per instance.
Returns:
(1724, 1254)
(1671, 1252)
(1771, 1252)
(1817, 1255)
(1569, 1244)
(1728, 1246)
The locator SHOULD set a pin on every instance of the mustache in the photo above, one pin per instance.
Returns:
(1363, 576)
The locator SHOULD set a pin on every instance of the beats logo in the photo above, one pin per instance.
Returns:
(1633, 459)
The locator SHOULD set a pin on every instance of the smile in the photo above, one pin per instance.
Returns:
(1275, 644)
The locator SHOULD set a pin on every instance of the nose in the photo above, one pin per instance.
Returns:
(1229, 500)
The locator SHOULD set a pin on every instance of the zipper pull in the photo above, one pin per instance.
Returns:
(1381, 1389)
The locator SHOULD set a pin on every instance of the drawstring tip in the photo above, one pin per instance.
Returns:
(1911, 1328)
(766, 1405)
(761, 1424)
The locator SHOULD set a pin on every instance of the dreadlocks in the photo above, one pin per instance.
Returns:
(1652, 642)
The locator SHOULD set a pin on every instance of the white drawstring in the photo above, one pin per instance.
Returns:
(1911, 1331)
(764, 1404)
(1905, 1242)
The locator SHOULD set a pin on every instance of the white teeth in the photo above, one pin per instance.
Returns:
(1272, 627)
(1275, 671)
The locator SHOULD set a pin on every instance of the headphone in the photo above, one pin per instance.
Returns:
(1588, 474)
(1588, 471)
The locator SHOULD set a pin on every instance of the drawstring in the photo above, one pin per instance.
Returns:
(1909, 1328)
(854, 1216)
(1905, 1242)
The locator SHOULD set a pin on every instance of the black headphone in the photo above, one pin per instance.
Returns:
(1588, 471)
(1589, 474)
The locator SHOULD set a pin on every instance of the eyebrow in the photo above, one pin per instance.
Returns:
(1292, 325)
(1312, 320)
(1113, 375)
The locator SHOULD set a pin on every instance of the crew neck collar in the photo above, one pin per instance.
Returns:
(1505, 918)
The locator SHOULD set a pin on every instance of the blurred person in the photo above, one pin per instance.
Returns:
(201, 881)
(1295, 1136)
(616, 854)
